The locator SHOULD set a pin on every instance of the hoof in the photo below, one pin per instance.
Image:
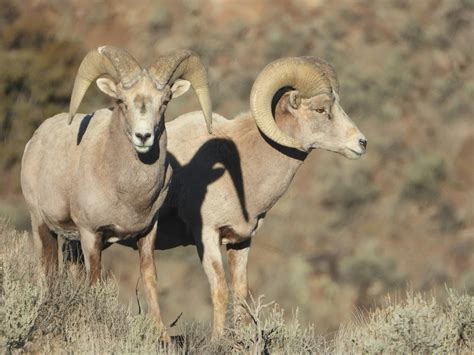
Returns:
(165, 338)
(215, 336)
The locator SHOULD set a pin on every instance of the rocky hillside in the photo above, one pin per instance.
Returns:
(347, 232)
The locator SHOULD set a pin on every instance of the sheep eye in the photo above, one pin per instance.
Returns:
(320, 110)
(122, 103)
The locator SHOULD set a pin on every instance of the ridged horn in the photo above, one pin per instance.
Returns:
(184, 64)
(107, 60)
(309, 75)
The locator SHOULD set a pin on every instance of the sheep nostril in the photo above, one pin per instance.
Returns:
(143, 136)
(363, 142)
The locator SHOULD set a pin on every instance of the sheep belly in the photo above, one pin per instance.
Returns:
(228, 234)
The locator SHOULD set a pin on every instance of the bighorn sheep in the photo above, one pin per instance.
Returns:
(103, 177)
(224, 185)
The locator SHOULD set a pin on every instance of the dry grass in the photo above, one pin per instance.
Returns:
(61, 313)
(346, 233)
(68, 316)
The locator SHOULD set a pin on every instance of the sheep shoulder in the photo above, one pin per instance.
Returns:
(53, 155)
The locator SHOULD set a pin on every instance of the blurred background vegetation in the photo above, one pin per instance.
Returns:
(347, 232)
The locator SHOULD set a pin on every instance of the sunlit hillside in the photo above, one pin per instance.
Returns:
(347, 233)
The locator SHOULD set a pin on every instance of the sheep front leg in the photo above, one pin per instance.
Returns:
(91, 244)
(209, 252)
(237, 257)
(146, 247)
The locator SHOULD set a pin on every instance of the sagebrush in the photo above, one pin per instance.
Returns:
(62, 313)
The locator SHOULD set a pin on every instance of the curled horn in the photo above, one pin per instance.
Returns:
(309, 75)
(107, 60)
(184, 64)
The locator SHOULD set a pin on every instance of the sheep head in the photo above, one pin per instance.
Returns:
(141, 99)
(312, 98)
(187, 65)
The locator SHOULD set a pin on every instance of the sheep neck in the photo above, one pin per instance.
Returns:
(137, 178)
(274, 164)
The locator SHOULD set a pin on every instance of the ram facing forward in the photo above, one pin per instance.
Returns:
(103, 177)
(224, 185)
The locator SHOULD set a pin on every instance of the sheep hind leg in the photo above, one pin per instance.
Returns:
(46, 244)
(209, 252)
(72, 252)
(73, 257)
(237, 257)
(91, 244)
(146, 248)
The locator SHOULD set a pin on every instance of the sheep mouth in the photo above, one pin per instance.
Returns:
(356, 152)
(142, 148)
(353, 154)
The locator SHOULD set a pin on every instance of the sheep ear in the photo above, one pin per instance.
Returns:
(180, 87)
(108, 87)
(294, 99)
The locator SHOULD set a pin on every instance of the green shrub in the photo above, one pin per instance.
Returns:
(159, 18)
(363, 270)
(64, 314)
(21, 299)
(69, 316)
(468, 282)
(423, 178)
(416, 325)
(268, 332)
(371, 273)
(37, 81)
(447, 217)
(349, 192)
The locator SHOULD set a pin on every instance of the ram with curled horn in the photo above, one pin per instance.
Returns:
(224, 185)
(101, 178)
